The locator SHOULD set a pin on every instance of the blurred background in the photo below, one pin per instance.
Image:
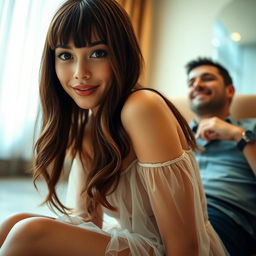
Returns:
(170, 32)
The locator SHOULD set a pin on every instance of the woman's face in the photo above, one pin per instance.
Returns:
(85, 73)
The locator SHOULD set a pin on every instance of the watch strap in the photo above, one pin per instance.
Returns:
(247, 137)
(241, 144)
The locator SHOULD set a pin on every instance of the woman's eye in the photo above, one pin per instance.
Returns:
(64, 56)
(99, 54)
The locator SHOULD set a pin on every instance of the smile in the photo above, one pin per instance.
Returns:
(201, 93)
(84, 90)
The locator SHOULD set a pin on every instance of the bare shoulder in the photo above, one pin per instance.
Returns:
(151, 126)
(141, 104)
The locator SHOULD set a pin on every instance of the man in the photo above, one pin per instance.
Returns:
(228, 157)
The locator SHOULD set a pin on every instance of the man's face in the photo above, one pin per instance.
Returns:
(207, 91)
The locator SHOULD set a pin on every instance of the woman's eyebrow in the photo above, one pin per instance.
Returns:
(63, 46)
(89, 44)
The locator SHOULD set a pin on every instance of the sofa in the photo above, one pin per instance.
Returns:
(242, 106)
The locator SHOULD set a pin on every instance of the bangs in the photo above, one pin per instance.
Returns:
(75, 23)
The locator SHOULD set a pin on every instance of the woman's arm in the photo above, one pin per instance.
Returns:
(75, 198)
(152, 127)
(154, 132)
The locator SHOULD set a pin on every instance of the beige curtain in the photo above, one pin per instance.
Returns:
(140, 12)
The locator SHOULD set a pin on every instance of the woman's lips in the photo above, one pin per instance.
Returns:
(84, 90)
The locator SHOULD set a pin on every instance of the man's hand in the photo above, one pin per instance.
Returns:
(216, 128)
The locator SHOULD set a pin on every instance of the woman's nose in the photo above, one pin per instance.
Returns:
(82, 70)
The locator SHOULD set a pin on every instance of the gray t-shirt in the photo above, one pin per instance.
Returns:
(229, 182)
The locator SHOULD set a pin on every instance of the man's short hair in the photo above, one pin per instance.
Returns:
(209, 62)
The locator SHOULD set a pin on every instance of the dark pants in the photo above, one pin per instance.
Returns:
(237, 241)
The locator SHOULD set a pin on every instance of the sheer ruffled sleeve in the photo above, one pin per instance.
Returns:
(178, 203)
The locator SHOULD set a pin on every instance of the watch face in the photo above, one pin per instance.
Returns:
(250, 136)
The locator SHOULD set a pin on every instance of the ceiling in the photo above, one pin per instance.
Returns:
(240, 16)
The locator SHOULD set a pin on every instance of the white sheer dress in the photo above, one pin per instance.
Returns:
(153, 201)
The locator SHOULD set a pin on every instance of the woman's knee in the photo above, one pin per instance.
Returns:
(26, 235)
(7, 225)
(32, 228)
(18, 216)
(13, 219)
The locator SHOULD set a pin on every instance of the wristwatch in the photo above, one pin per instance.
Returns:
(247, 137)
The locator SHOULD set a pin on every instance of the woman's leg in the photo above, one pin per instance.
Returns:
(37, 236)
(7, 225)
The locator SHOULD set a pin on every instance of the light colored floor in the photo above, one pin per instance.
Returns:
(17, 194)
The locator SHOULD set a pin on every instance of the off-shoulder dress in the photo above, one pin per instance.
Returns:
(148, 198)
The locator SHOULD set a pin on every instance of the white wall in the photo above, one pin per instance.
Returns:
(248, 67)
(182, 30)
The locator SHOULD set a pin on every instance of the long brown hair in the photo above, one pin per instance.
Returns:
(63, 122)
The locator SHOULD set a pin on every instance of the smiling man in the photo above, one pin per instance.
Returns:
(228, 157)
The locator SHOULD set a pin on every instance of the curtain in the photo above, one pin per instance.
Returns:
(140, 12)
(23, 25)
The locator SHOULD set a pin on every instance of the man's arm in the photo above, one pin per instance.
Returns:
(250, 154)
(216, 128)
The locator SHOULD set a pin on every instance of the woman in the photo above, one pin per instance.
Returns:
(132, 149)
